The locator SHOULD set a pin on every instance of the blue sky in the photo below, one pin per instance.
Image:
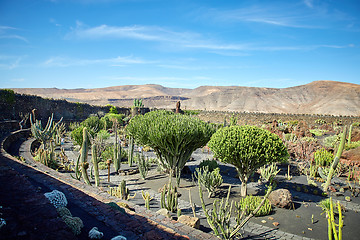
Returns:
(179, 43)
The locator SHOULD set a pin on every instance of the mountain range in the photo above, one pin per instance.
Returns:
(319, 97)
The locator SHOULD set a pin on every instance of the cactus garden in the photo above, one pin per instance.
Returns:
(232, 180)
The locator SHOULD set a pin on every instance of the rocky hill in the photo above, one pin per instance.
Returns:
(320, 97)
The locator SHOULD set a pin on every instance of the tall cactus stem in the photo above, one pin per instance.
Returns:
(83, 156)
(95, 164)
(336, 160)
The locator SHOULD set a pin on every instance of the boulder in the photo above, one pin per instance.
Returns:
(281, 198)
(193, 222)
(164, 212)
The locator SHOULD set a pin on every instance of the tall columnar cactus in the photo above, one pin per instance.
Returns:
(117, 147)
(83, 156)
(43, 134)
(169, 198)
(356, 124)
(143, 165)
(147, 198)
(336, 160)
(131, 151)
(95, 164)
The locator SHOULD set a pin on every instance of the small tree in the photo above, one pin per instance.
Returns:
(247, 148)
(173, 137)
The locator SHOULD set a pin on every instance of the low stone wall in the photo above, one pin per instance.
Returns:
(24, 133)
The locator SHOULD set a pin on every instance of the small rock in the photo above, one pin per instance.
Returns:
(310, 229)
(270, 218)
(190, 221)
(276, 224)
(164, 212)
(347, 198)
(263, 221)
(298, 216)
(342, 190)
(281, 198)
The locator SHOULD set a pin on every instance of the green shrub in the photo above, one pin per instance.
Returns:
(247, 148)
(318, 132)
(102, 165)
(108, 153)
(7, 96)
(174, 137)
(93, 123)
(103, 135)
(77, 135)
(352, 145)
(211, 164)
(250, 203)
(332, 141)
(107, 120)
(323, 158)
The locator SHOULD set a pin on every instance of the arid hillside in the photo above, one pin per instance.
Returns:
(320, 97)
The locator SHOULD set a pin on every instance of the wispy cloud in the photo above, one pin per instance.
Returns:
(309, 3)
(139, 32)
(68, 62)
(6, 33)
(10, 62)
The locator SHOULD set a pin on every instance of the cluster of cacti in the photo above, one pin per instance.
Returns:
(47, 157)
(131, 151)
(121, 191)
(211, 164)
(56, 198)
(63, 211)
(211, 180)
(43, 135)
(138, 103)
(74, 223)
(147, 198)
(219, 217)
(269, 172)
(328, 207)
(250, 203)
(143, 165)
(169, 198)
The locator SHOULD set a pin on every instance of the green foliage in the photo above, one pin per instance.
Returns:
(7, 96)
(103, 135)
(77, 135)
(191, 112)
(93, 123)
(309, 139)
(269, 172)
(352, 145)
(121, 191)
(113, 110)
(143, 165)
(331, 141)
(290, 137)
(247, 148)
(323, 158)
(138, 103)
(74, 223)
(210, 180)
(173, 137)
(169, 198)
(211, 164)
(108, 153)
(147, 198)
(320, 121)
(84, 155)
(318, 132)
(107, 120)
(44, 135)
(250, 203)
